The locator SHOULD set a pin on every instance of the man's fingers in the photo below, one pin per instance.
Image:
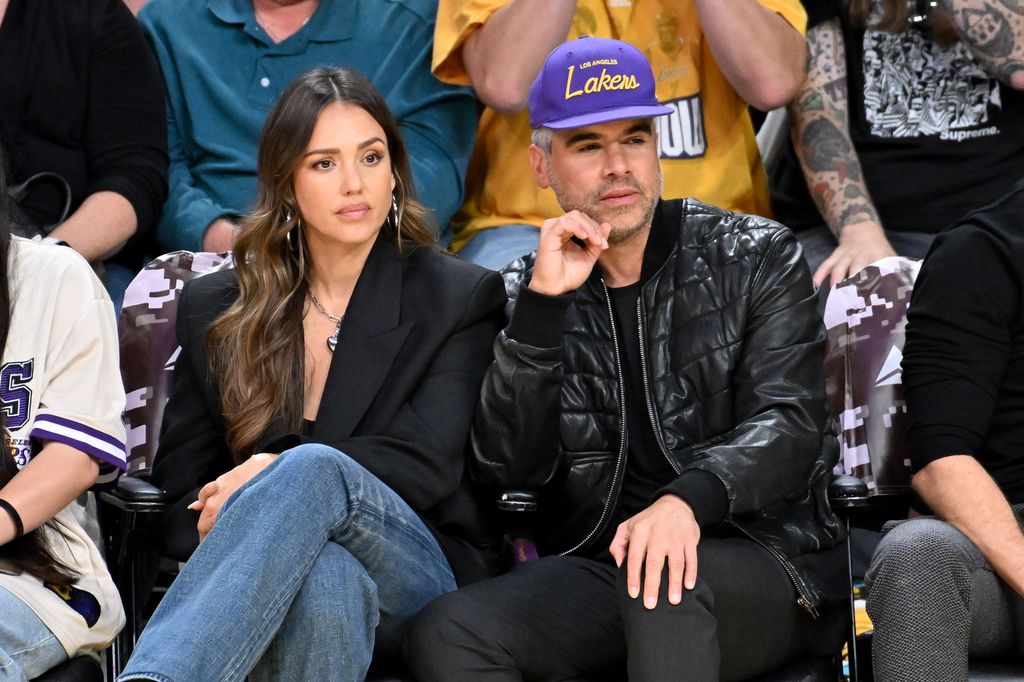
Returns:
(822, 273)
(653, 565)
(635, 559)
(620, 543)
(676, 566)
(690, 571)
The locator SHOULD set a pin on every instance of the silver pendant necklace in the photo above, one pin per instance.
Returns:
(332, 340)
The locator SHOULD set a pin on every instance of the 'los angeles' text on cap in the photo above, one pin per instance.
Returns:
(593, 80)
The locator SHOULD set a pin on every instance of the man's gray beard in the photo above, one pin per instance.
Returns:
(618, 235)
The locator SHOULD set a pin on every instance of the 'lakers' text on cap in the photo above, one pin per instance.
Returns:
(593, 80)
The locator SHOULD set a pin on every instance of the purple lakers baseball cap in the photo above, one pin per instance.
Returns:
(593, 80)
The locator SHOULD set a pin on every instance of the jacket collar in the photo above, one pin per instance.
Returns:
(370, 338)
(665, 228)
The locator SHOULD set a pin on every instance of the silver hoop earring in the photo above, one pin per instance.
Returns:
(394, 212)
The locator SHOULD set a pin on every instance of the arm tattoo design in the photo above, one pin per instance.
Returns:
(824, 146)
(821, 133)
(993, 30)
(988, 31)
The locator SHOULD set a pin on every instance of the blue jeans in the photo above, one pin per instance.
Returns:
(495, 247)
(27, 647)
(311, 566)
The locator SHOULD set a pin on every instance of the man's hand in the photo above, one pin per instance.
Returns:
(220, 236)
(860, 244)
(562, 264)
(667, 530)
(214, 494)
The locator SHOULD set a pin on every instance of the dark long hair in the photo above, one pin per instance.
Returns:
(256, 347)
(29, 552)
(895, 17)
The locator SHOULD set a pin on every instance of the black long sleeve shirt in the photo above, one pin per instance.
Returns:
(81, 95)
(963, 364)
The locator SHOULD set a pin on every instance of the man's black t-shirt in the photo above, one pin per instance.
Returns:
(647, 469)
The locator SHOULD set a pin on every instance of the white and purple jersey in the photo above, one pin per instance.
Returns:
(60, 379)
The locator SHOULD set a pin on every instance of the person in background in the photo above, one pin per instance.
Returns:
(911, 116)
(226, 61)
(949, 586)
(62, 434)
(711, 60)
(316, 431)
(82, 98)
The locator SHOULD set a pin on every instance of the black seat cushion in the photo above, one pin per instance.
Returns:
(77, 669)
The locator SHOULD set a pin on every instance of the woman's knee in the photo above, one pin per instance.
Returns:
(308, 464)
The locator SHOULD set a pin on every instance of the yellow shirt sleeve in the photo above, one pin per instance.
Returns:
(791, 10)
(456, 20)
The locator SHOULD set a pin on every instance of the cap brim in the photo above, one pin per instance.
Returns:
(605, 116)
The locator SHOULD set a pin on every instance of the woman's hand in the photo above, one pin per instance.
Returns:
(214, 494)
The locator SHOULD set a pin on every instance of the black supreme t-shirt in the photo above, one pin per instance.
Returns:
(936, 136)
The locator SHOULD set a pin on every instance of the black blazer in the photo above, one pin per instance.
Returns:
(399, 397)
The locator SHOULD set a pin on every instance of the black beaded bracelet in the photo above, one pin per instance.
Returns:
(19, 527)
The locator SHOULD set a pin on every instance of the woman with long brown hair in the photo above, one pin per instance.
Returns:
(337, 368)
(62, 434)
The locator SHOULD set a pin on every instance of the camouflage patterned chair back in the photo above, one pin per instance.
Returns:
(149, 346)
(866, 315)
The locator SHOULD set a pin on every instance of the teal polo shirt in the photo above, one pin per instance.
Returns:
(223, 73)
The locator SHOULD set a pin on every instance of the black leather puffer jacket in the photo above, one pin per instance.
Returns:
(732, 348)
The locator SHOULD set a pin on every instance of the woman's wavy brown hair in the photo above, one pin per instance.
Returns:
(256, 347)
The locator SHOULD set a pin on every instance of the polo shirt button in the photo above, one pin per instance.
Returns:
(265, 82)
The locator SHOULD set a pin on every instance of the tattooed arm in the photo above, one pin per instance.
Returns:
(821, 137)
(994, 32)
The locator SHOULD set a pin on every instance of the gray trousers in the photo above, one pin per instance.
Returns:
(935, 601)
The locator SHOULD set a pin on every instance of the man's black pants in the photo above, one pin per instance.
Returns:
(558, 617)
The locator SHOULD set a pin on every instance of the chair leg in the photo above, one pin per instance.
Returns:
(125, 568)
(851, 647)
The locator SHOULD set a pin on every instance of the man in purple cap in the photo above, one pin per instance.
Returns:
(659, 390)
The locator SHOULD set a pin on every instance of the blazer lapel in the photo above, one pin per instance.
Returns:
(370, 338)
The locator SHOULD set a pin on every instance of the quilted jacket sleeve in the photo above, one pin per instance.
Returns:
(779, 387)
(516, 445)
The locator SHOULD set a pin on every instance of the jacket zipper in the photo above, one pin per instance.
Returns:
(622, 418)
(647, 390)
(802, 597)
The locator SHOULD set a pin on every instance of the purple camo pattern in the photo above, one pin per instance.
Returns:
(866, 317)
(149, 346)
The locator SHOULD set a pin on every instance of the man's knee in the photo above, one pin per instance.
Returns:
(700, 598)
(447, 625)
(916, 558)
